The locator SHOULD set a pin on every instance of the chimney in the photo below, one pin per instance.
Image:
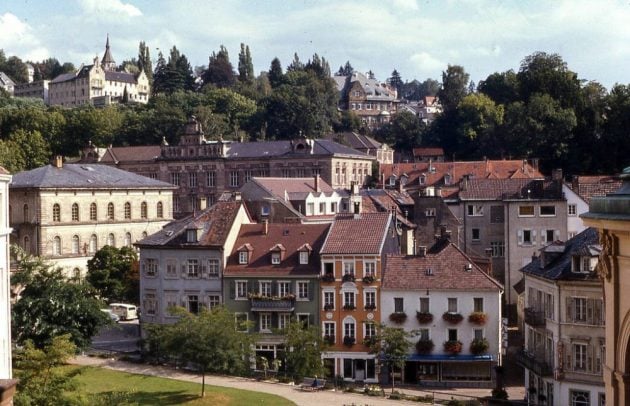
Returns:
(422, 250)
(317, 183)
(237, 196)
(58, 161)
(556, 175)
(203, 203)
(266, 227)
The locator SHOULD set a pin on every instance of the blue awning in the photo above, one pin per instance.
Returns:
(449, 358)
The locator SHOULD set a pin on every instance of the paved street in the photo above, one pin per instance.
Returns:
(120, 337)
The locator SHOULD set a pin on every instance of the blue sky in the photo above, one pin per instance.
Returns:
(419, 38)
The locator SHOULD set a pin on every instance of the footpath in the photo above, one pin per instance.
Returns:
(291, 392)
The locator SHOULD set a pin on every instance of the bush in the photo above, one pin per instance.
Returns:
(478, 318)
(452, 318)
(398, 318)
(424, 317)
(395, 395)
(479, 346)
(424, 346)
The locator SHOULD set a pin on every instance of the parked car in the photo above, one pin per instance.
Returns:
(124, 311)
(112, 316)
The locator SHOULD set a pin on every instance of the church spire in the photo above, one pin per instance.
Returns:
(108, 62)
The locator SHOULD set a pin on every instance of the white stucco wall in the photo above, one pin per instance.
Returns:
(5, 304)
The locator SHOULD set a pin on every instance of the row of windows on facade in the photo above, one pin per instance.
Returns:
(275, 257)
(369, 106)
(577, 397)
(75, 247)
(93, 215)
(348, 268)
(269, 289)
(582, 310)
(525, 236)
(477, 210)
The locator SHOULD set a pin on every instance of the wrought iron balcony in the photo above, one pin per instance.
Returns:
(534, 362)
(274, 305)
(535, 318)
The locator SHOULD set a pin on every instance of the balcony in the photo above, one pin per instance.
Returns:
(535, 318)
(272, 304)
(533, 362)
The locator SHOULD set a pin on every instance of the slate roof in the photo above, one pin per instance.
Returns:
(359, 141)
(448, 265)
(294, 188)
(120, 76)
(434, 173)
(284, 148)
(64, 77)
(133, 154)
(380, 200)
(509, 189)
(587, 242)
(216, 223)
(84, 176)
(588, 187)
(362, 235)
(291, 236)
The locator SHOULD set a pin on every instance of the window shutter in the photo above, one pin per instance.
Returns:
(232, 290)
(543, 237)
(204, 268)
(569, 309)
(589, 311)
(533, 237)
(143, 266)
(569, 350)
(597, 313)
(520, 237)
(589, 358)
(556, 234)
(183, 270)
(311, 289)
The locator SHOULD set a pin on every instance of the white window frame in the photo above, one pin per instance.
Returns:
(540, 209)
(527, 215)
(193, 268)
(579, 349)
(151, 267)
(349, 294)
(266, 326)
(421, 307)
(328, 327)
(213, 301)
(243, 257)
(214, 267)
(284, 319)
(171, 268)
(366, 266)
(240, 294)
(234, 179)
(449, 302)
(328, 294)
(303, 257)
(264, 288)
(572, 210)
(371, 293)
(348, 265)
(350, 328)
(302, 295)
(474, 210)
(284, 288)
(275, 258)
(369, 329)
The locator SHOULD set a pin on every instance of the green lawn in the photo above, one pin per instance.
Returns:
(149, 390)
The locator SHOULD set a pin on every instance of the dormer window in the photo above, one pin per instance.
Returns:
(191, 235)
(303, 257)
(447, 179)
(275, 258)
(243, 257)
(392, 180)
(422, 179)
(277, 254)
(584, 264)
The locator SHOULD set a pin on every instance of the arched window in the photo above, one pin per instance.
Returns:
(160, 210)
(111, 241)
(56, 212)
(127, 239)
(75, 244)
(110, 211)
(93, 244)
(25, 213)
(56, 246)
(127, 210)
(93, 213)
(27, 244)
(143, 210)
(75, 212)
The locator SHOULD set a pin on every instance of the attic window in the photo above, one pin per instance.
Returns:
(243, 257)
(275, 258)
(429, 271)
(422, 179)
(303, 257)
(392, 180)
(583, 264)
(191, 235)
(447, 179)
(285, 232)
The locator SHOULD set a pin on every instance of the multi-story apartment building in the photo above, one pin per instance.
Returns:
(454, 306)
(564, 335)
(5, 284)
(66, 212)
(36, 90)
(373, 101)
(368, 145)
(98, 84)
(272, 278)
(510, 219)
(183, 264)
(202, 168)
(351, 274)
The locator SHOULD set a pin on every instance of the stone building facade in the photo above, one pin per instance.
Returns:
(5, 297)
(66, 212)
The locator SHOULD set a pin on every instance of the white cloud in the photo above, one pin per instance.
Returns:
(425, 62)
(109, 9)
(406, 4)
(18, 39)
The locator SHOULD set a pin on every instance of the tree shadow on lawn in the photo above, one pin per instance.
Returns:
(174, 397)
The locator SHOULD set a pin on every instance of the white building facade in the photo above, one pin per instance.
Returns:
(5, 297)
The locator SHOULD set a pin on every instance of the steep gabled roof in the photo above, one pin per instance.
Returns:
(363, 234)
(508, 189)
(84, 176)
(292, 237)
(448, 265)
(588, 187)
(294, 188)
(131, 154)
(215, 223)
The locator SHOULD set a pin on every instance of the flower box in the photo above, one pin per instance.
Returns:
(329, 277)
(329, 306)
(424, 317)
(369, 341)
(349, 307)
(259, 296)
(479, 346)
(398, 318)
(348, 277)
(424, 347)
(349, 341)
(368, 279)
(478, 318)
(452, 318)
(453, 346)
(370, 306)
(330, 340)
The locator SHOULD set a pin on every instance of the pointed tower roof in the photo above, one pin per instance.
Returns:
(108, 62)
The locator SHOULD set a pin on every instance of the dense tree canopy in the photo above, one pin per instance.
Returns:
(113, 273)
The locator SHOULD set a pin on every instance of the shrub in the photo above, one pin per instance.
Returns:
(349, 341)
(348, 277)
(424, 317)
(368, 279)
(424, 346)
(329, 277)
(398, 318)
(477, 318)
(453, 346)
(395, 395)
(349, 307)
(370, 306)
(479, 346)
(453, 318)
(329, 306)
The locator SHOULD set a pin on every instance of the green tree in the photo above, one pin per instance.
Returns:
(296, 64)
(144, 61)
(454, 87)
(49, 305)
(614, 147)
(502, 87)
(275, 73)
(396, 81)
(345, 70)
(479, 121)
(304, 347)
(404, 132)
(172, 75)
(211, 340)
(220, 72)
(24, 150)
(543, 73)
(41, 380)
(391, 347)
(113, 273)
(14, 68)
(245, 65)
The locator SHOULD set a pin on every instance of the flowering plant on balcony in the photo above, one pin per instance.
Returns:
(479, 346)
(329, 339)
(477, 318)
(398, 317)
(424, 317)
(349, 306)
(453, 318)
(329, 306)
(369, 341)
(368, 279)
(328, 277)
(453, 346)
(370, 306)
(424, 346)
(349, 341)
(349, 277)
(260, 296)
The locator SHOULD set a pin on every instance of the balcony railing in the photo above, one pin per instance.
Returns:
(278, 305)
(534, 362)
(535, 318)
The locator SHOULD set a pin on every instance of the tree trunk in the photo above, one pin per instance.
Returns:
(203, 382)
(393, 377)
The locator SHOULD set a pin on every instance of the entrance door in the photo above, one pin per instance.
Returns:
(359, 370)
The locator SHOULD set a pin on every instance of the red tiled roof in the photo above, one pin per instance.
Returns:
(291, 236)
(131, 154)
(278, 186)
(448, 267)
(362, 235)
(500, 189)
(595, 186)
(491, 169)
(428, 151)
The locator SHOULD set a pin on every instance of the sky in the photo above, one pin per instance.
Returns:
(419, 38)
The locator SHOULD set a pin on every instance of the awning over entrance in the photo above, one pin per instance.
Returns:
(449, 358)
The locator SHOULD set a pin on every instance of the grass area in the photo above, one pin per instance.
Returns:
(149, 390)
